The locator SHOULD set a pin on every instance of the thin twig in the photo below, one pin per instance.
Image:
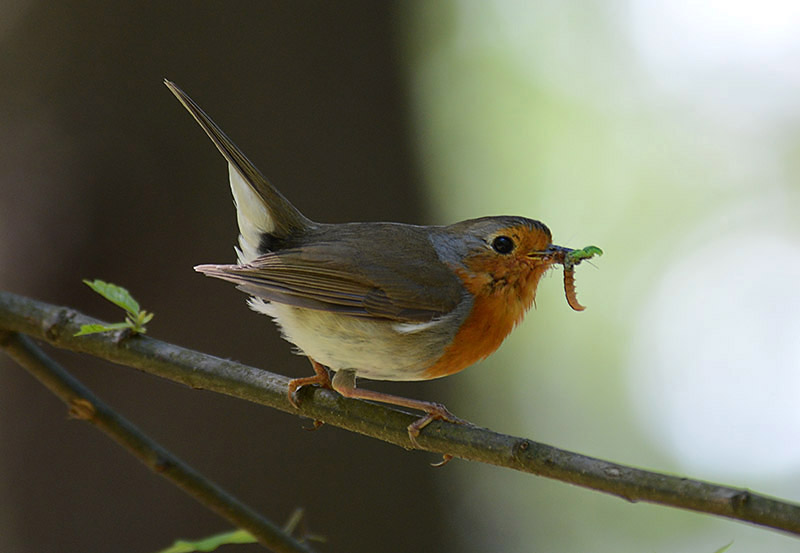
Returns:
(84, 405)
(57, 325)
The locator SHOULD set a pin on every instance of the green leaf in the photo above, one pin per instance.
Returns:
(135, 318)
(145, 317)
(115, 294)
(210, 543)
(96, 328)
(724, 548)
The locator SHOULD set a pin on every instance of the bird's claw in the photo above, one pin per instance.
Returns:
(446, 458)
(436, 411)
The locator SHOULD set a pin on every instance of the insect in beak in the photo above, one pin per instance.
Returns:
(569, 258)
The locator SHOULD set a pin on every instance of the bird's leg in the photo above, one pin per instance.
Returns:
(344, 382)
(321, 377)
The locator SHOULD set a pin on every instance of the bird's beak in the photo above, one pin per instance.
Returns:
(552, 254)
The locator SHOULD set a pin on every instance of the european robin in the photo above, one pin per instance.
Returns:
(382, 301)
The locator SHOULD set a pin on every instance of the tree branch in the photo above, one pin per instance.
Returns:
(84, 405)
(56, 325)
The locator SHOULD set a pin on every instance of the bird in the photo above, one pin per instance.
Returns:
(381, 300)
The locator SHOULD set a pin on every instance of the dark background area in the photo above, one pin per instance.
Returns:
(104, 175)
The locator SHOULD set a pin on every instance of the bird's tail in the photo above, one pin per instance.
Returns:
(260, 209)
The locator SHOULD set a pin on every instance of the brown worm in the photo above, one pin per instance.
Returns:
(569, 287)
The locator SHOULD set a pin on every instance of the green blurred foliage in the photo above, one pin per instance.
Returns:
(547, 110)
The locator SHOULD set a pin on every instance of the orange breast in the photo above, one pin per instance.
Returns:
(497, 308)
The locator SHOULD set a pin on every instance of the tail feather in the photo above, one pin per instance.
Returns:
(260, 207)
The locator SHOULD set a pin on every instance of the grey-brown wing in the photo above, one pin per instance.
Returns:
(310, 278)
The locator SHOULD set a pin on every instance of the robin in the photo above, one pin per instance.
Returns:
(382, 301)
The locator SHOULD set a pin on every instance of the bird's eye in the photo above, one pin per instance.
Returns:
(503, 244)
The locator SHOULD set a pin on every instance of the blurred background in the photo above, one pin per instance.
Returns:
(666, 133)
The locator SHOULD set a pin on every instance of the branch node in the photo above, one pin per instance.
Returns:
(740, 500)
(519, 448)
(162, 464)
(53, 324)
(122, 336)
(81, 409)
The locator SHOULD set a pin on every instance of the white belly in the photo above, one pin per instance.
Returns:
(374, 349)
